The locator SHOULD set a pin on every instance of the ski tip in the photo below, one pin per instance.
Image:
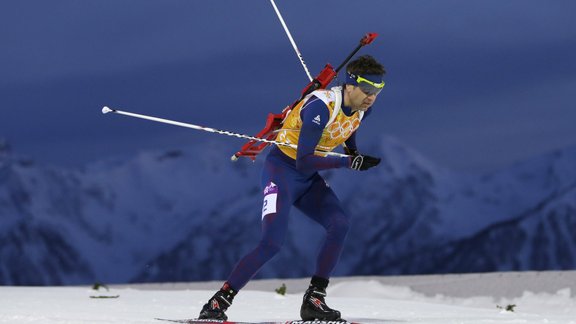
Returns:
(106, 110)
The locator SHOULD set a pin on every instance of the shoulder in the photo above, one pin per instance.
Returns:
(315, 111)
(317, 102)
(328, 96)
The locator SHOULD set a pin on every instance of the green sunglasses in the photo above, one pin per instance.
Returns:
(368, 87)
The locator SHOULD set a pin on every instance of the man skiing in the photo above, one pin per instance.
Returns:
(322, 121)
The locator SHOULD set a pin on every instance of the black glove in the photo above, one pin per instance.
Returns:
(363, 162)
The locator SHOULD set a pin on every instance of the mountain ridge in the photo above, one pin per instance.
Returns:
(174, 215)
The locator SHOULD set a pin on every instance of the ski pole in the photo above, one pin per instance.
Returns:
(106, 110)
(291, 40)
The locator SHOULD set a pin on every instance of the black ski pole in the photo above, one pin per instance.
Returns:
(367, 39)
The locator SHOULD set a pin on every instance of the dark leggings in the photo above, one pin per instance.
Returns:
(311, 195)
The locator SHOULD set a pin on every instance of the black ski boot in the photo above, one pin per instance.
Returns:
(215, 307)
(313, 306)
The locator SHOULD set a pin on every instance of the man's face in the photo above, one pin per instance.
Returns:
(358, 100)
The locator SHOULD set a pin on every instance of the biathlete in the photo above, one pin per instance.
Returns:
(322, 121)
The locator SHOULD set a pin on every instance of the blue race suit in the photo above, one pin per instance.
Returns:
(288, 182)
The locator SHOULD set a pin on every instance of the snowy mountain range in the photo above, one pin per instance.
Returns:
(189, 214)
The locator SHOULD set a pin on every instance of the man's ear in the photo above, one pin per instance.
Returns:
(347, 88)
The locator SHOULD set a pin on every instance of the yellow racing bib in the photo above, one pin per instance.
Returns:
(338, 129)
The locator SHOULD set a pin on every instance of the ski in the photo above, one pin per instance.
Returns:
(200, 321)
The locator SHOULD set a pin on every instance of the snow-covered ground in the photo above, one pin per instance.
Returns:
(366, 300)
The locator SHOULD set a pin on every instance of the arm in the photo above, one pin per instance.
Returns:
(350, 144)
(359, 161)
(350, 147)
(310, 135)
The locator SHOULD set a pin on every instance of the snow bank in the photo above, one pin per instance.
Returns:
(367, 300)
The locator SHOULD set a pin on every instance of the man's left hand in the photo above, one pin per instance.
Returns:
(364, 162)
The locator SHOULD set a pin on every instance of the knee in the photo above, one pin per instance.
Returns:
(270, 248)
(339, 226)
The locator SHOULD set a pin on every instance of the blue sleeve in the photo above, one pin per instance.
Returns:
(315, 116)
(351, 142)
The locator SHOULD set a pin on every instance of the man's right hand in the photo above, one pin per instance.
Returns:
(364, 162)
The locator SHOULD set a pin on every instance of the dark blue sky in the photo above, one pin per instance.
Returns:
(473, 86)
